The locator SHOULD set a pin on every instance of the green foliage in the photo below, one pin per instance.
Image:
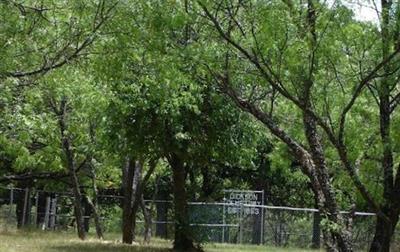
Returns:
(147, 87)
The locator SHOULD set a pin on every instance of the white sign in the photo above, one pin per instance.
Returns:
(236, 198)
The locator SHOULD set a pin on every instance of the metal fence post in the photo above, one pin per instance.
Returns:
(36, 209)
(241, 224)
(262, 218)
(24, 210)
(46, 215)
(11, 203)
(223, 224)
(275, 228)
(53, 212)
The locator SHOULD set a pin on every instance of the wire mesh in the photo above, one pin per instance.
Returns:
(210, 221)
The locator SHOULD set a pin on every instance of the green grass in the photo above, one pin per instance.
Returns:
(36, 241)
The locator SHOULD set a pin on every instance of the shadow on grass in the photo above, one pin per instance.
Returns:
(86, 247)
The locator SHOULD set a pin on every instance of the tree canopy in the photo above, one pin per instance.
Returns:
(262, 95)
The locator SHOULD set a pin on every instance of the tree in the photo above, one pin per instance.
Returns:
(61, 115)
(48, 35)
(309, 30)
(386, 94)
(298, 80)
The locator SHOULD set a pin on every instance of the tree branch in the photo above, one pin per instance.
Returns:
(62, 57)
(371, 75)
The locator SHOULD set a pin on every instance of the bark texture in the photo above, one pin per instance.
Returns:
(62, 114)
(387, 221)
(128, 192)
(133, 187)
(183, 239)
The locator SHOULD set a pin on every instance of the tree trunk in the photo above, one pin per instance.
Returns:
(183, 240)
(96, 217)
(384, 231)
(207, 186)
(382, 237)
(93, 204)
(385, 228)
(80, 225)
(97, 223)
(127, 187)
(147, 221)
(131, 187)
(341, 237)
(70, 162)
(78, 207)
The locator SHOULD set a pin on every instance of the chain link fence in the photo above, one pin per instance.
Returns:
(210, 221)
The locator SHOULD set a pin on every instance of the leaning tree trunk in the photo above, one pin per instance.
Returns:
(340, 236)
(67, 148)
(96, 217)
(78, 207)
(183, 239)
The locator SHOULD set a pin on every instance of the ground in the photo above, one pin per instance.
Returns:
(35, 241)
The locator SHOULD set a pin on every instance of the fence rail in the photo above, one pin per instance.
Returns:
(211, 221)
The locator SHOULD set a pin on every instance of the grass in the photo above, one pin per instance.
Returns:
(36, 241)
